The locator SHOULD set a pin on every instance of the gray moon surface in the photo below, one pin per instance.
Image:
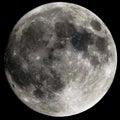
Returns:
(60, 59)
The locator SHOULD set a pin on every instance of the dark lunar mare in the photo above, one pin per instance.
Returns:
(96, 25)
(31, 40)
(32, 36)
(49, 82)
(12, 64)
(80, 41)
(63, 29)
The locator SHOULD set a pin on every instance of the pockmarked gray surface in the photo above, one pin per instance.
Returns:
(60, 59)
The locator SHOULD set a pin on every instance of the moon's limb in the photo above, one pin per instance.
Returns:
(62, 58)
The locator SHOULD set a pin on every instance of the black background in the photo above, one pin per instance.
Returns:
(11, 107)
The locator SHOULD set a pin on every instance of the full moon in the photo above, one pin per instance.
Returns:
(60, 59)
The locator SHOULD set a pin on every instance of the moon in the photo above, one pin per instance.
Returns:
(60, 59)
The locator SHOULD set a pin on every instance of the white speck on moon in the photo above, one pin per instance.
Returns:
(25, 99)
(38, 57)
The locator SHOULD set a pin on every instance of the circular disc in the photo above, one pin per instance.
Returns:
(60, 59)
